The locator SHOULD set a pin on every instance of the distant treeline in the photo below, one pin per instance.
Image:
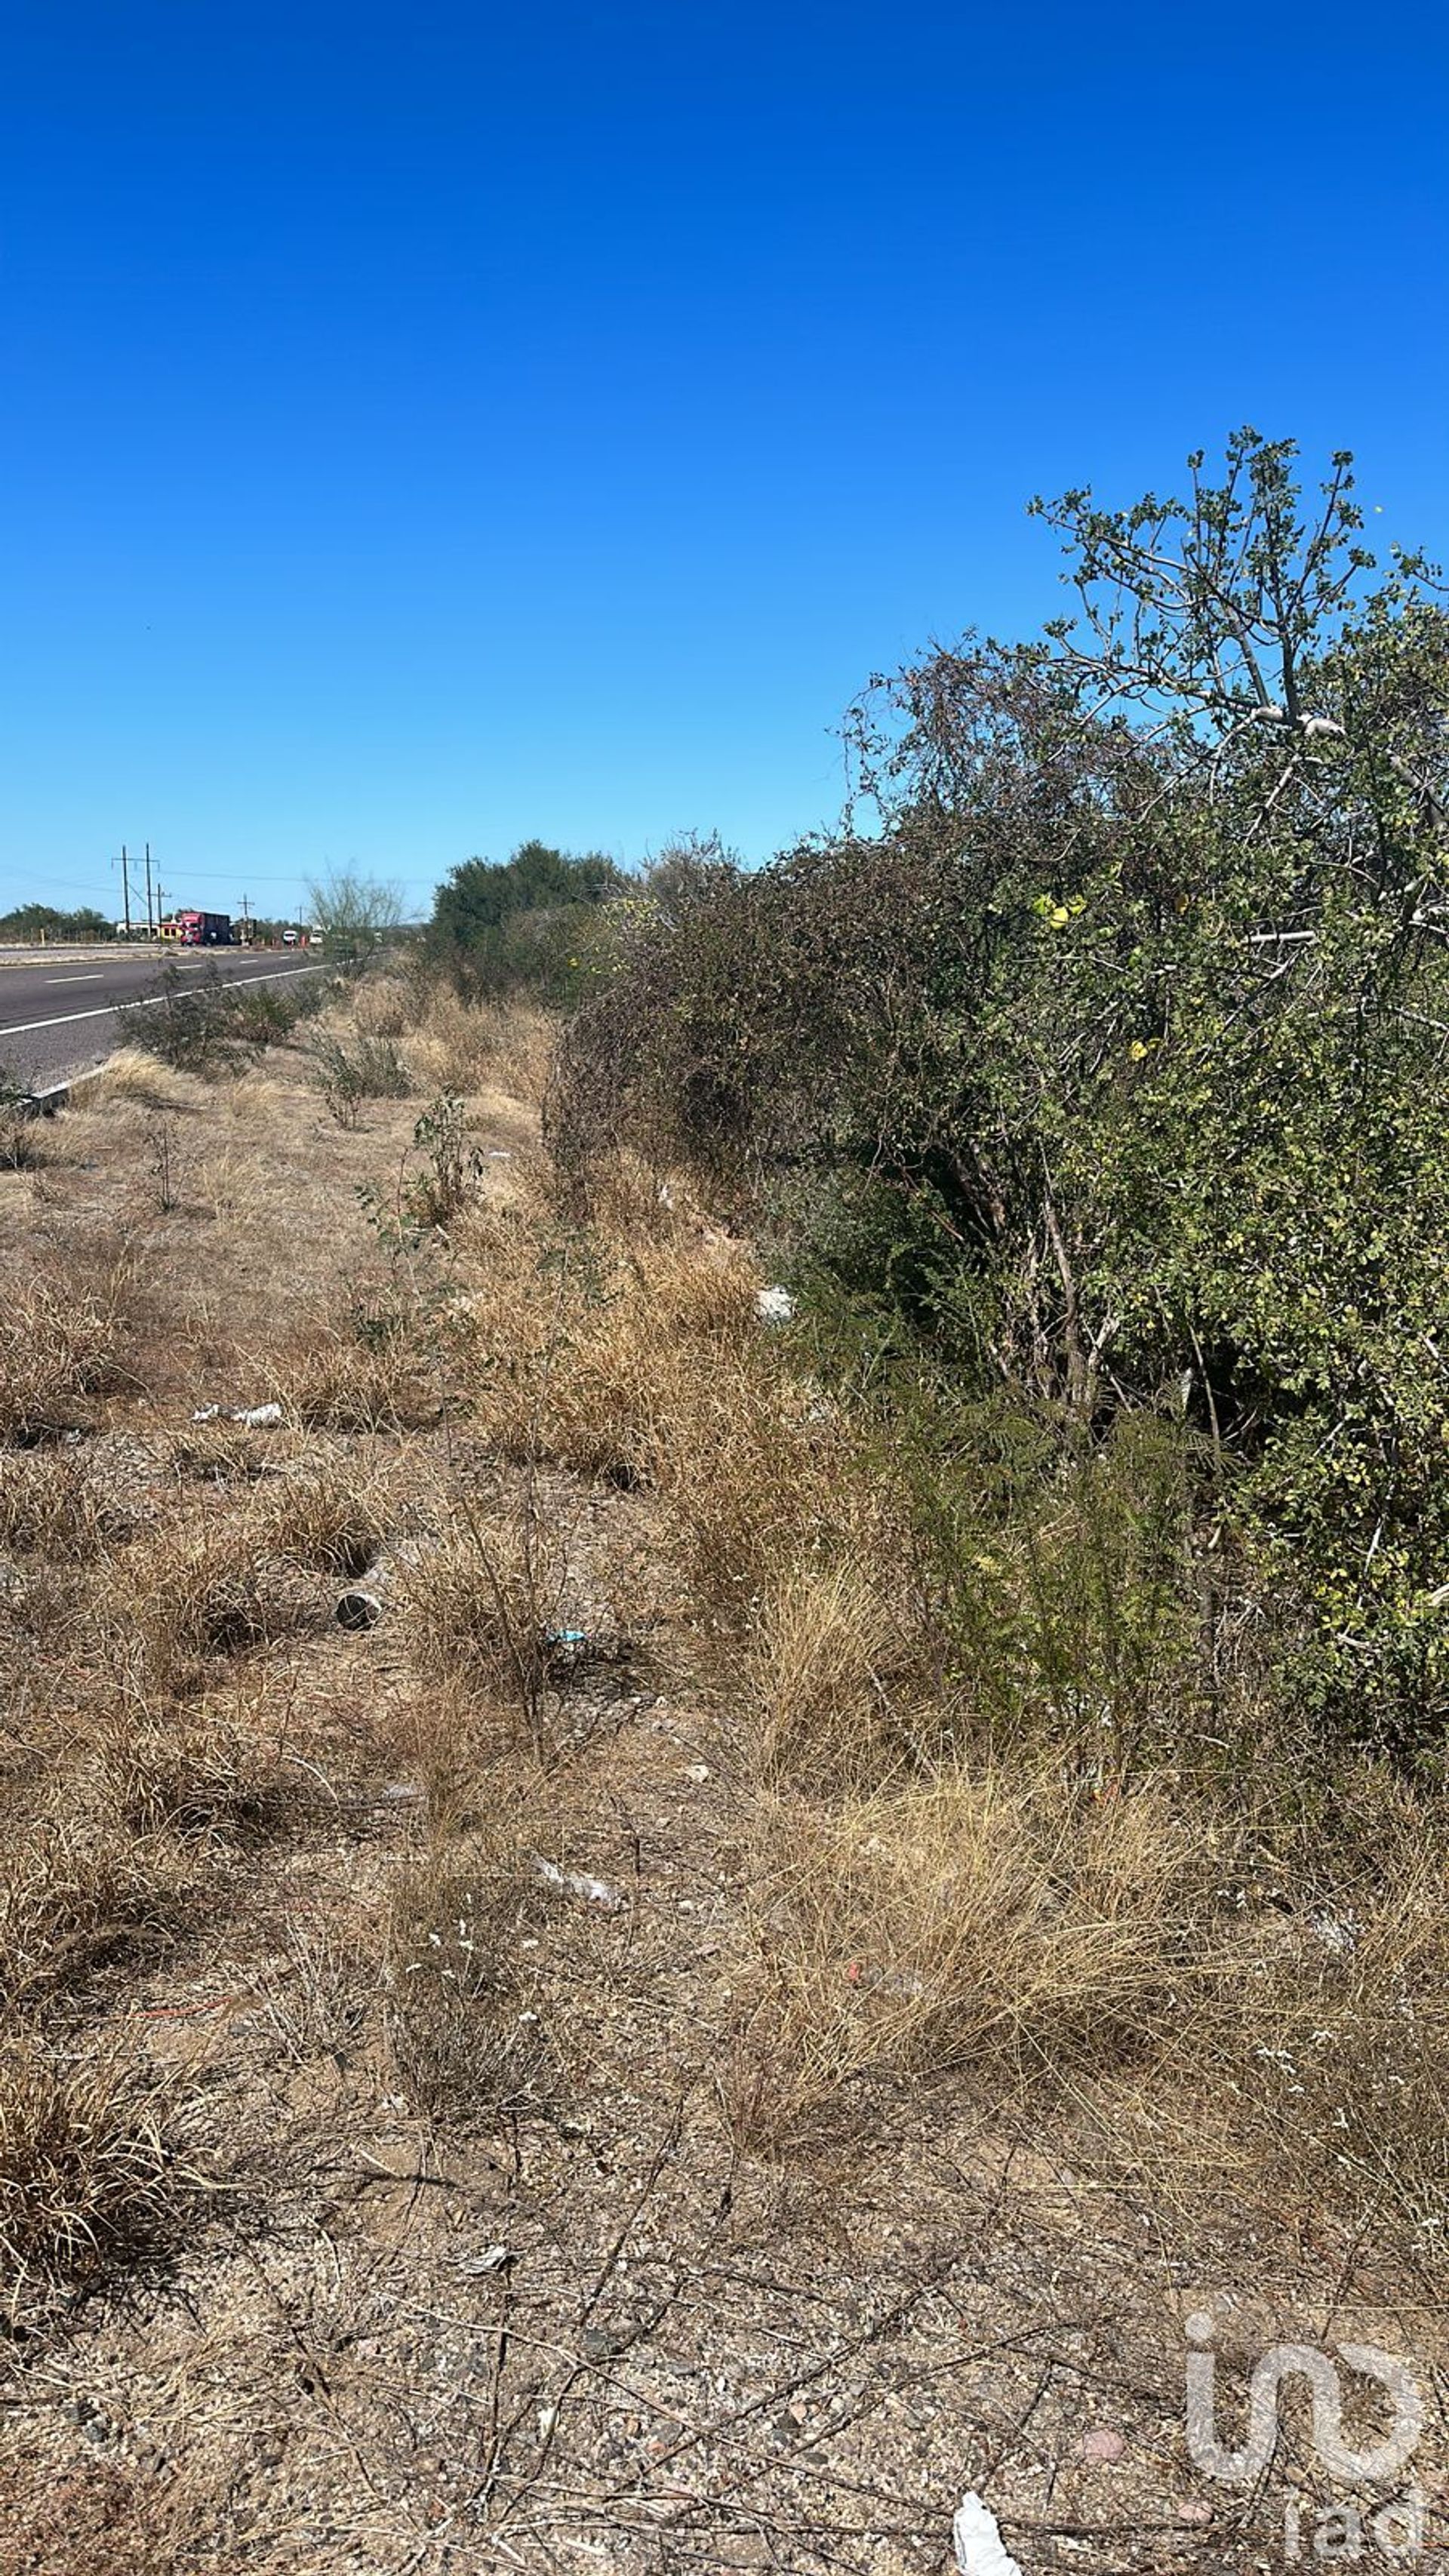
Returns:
(43, 921)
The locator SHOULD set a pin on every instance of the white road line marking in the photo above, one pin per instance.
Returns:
(75, 979)
(152, 1002)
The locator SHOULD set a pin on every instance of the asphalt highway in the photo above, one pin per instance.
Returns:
(57, 1005)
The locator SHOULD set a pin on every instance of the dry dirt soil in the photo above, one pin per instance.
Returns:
(387, 2181)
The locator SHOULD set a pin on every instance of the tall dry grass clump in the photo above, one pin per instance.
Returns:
(97, 2164)
(52, 1506)
(131, 1075)
(981, 1921)
(473, 1047)
(1328, 2035)
(632, 1352)
(63, 1337)
(356, 1368)
(833, 1676)
(214, 1771)
(79, 1889)
(328, 1514)
(211, 1598)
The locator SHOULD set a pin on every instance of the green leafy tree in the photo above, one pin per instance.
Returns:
(523, 923)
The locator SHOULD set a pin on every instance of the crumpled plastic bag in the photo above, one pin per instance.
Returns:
(980, 2549)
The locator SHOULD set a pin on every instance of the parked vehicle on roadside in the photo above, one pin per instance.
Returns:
(203, 929)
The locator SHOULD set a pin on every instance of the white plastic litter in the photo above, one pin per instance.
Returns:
(980, 2549)
(575, 1882)
(256, 1417)
(492, 2261)
(774, 1305)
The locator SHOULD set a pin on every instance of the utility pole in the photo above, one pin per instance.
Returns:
(160, 907)
(246, 921)
(124, 865)
(150, 928)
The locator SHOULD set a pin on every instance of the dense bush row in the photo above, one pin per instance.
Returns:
(1104, 1073)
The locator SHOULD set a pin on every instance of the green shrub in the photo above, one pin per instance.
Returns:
(1105, 1072)
(209, 1023)
(349, 1070)
(526, 925)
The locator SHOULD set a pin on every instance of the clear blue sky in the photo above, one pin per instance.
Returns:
(423, 428)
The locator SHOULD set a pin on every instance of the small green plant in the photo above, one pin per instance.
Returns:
(349, 1071)
(426, 1200)
(438, 1192)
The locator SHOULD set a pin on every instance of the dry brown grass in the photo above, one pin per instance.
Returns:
(832, 1676)
(327, 1513)
(381, 1007)
(632, 1352)
(353, 1372)
(482, 1600)
(465, 2027)
(95, 2165)
(596, 1351)
(458, 1047)
(62, 1340)
(1327, 2031)
(999, 1923)
(79, 1889)
(214, 1770)
(133, 1075)
(844, 1913)
(119, 1846)
(214, 1595)
(51, 1505)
